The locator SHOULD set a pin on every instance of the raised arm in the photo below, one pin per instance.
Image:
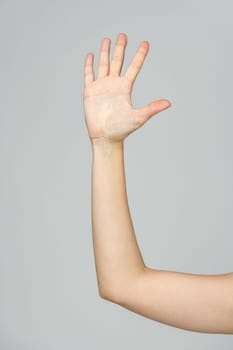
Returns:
(201, 303)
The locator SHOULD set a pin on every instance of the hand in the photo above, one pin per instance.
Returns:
(109, 113)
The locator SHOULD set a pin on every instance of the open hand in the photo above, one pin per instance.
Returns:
(109, 113)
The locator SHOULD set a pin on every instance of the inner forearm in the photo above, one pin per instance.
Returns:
(117, 256)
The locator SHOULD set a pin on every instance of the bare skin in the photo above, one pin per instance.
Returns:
(107, 100)
(199, 303)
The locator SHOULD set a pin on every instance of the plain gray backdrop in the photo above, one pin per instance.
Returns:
(179, 166)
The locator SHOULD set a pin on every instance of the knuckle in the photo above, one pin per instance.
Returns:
(120, 45)
(117, 57)
(129, 79)
(136, 64)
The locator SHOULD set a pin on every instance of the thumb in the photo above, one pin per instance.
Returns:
(145, 113)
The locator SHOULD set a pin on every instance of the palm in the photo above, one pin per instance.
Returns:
(107, 100)
(108, 108)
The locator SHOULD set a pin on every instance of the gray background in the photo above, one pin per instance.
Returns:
(179, 166)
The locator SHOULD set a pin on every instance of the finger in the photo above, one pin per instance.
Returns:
(104, 58)
(145, 113)
(137, 61)
(88, 69)
(118, 55)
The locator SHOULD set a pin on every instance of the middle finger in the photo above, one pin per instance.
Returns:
(118, 55)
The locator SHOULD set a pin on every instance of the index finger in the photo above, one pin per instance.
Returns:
(137, 62)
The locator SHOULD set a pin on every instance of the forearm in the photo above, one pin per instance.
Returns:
(117, 256)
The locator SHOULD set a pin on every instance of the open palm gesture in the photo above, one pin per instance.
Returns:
(109, 113)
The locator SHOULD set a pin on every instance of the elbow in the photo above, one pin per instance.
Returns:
(121, 291)
(104, 295)
(112, 295)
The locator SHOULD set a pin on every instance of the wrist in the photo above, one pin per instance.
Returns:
(106, 147)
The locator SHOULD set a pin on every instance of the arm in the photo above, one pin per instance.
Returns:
(193, 302)
(201, 303)
(117, 256)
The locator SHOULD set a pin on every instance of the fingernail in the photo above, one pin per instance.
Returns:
(165, 104)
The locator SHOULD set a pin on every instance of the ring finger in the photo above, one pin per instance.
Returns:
(104, 58)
